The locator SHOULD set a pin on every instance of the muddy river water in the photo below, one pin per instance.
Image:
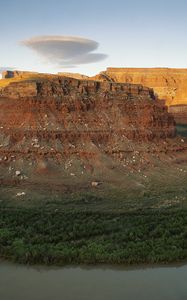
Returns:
(19, 282)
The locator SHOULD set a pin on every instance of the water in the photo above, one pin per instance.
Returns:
(92, 283)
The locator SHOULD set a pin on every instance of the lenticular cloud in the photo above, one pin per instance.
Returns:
(65, 51)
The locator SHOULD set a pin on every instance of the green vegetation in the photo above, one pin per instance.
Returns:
(43, 236)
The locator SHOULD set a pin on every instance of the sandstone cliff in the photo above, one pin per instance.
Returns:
(74, 75)
(90, 106)
(16, 73)
(71, 132)
(169, 84)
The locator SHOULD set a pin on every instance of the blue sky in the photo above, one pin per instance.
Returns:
(131, 33)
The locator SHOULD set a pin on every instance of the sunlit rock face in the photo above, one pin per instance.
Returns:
(60, 128)
(85, 107)
(168, 84)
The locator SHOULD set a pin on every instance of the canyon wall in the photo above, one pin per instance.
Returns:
(168, 84)
(130, 109)
(66, 128)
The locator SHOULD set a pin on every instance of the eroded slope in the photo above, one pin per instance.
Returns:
(72, 135)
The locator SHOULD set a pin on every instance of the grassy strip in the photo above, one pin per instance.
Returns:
(52, 237)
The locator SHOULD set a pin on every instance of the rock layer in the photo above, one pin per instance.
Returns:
(67, 128)
(168, 84)
(86, 106)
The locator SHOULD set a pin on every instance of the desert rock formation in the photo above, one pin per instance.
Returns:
(64, 130)
(15, 74)
(168, 84)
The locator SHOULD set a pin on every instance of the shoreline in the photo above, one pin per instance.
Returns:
(101, 266)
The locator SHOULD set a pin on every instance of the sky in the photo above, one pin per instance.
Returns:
(86, 36)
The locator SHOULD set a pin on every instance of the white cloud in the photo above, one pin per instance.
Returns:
(65, 51)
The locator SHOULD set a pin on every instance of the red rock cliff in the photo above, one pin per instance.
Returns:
(51, 125)
(85, 107)
(168, 84)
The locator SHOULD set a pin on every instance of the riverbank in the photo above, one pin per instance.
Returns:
(60, 237)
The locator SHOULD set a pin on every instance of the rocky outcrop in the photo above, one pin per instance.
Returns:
(130, 109)
(65, 128)
(15, 74)
(17, 90)
(168, 84)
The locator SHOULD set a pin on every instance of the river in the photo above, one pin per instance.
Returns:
(19, 282)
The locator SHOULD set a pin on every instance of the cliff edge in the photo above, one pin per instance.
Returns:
(168, 84)
(75, 134)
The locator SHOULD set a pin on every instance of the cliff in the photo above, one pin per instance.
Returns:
(64, 131)
(168, 84)
(16, 73)
(90, 106)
